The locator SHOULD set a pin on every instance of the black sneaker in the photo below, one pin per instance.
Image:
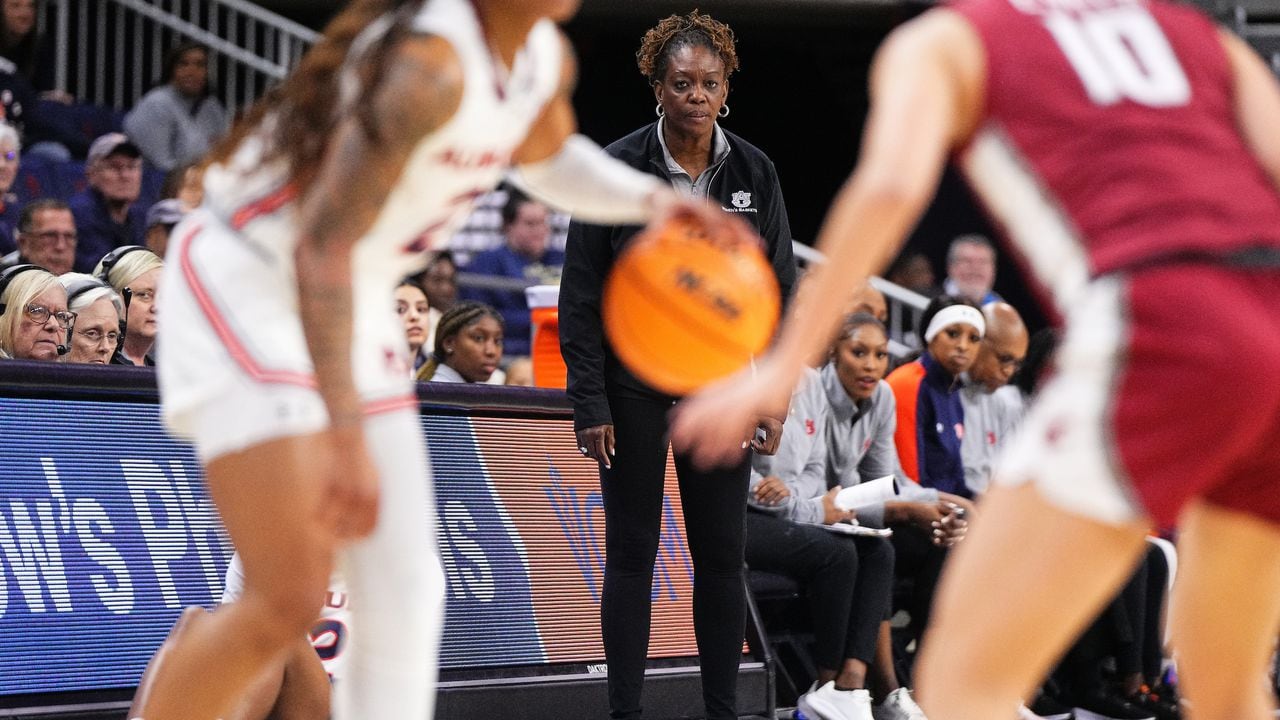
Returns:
(1103, 706)
(1164, 707)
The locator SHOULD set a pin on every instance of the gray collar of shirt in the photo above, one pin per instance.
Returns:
(444, 373)
(680, 178)
(843, 408)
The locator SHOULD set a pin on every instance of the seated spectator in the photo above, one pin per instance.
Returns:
(867, 299)
(10, 156)
(930, 415)
(185, 184)
(180, 120)
(440, 282)
(860, 446)
(848, 580)
(134, 272)
(971, 269)
(468, 345)
(108, 214)
(991, 407)
(525, 256)
(22, 45)
(99, 311)
(161, 219)
(411, 306)
(520, 372)
(46, 237)
(914, 272)
(34, 320)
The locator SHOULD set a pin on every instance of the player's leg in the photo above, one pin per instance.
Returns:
(260, 697)
(1018, 589)
(396, 584)
(303, 691)
(272, 517)
(189, 617)
(1226, 611)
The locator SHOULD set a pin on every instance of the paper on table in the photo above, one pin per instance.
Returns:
(867, 493)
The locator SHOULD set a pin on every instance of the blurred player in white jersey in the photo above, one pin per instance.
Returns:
(285, 363)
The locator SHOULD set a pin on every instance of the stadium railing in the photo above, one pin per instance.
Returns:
(111, 52)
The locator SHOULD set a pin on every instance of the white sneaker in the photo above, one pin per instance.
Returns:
(899, 705)
(828, 703)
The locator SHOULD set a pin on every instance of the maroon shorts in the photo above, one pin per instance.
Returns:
(1167, 389)
(1197, 410)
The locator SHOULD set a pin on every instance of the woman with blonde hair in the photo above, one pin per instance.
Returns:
(34, 320)
(134, 272)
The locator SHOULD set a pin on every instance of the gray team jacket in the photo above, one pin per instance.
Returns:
(827, 441)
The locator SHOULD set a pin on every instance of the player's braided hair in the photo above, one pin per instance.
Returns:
(305, 107)
(676, 31)
(456, 319)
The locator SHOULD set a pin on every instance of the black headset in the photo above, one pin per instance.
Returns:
(84, 286)
(6, 279)
(113, 258)
(109, 261)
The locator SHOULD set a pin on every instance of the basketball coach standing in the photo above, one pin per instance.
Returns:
(688, 60)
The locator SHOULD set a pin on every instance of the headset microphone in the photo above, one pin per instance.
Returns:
(63, 350)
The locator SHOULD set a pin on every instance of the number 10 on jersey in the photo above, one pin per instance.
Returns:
(1121, 53)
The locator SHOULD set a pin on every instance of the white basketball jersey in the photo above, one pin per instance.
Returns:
(444, 174)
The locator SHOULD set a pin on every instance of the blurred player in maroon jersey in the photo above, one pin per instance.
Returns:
(1128, 149)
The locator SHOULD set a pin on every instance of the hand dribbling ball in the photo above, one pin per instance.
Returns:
(683, 307)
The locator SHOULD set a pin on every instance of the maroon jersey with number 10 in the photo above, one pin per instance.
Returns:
(1110, 139)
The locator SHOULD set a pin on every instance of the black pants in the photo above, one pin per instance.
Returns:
(918, 565)
(714, 505)
(848, 581)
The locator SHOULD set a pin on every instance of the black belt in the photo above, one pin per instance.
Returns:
(1256, 257)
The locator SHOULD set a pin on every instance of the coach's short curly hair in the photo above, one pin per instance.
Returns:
(672, 33)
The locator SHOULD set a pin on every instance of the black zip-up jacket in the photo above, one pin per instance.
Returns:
(745, 183)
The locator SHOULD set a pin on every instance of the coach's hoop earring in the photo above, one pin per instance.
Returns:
(657, 110)
(724, 111)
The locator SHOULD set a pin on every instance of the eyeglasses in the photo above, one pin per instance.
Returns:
(146, 296)
(96, 336)
(40, 315)
(1005, 359)
(120, 168)
(9, 155)
(52, 236)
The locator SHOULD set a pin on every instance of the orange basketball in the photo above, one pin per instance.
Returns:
(682, 309)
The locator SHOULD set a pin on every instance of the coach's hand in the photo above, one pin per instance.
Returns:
(350, 505)
(597, 443)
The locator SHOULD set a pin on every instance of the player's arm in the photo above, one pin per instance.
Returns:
(567, 170)
(1257, 96)
(421, 89)
(926, 83)
(926, 92)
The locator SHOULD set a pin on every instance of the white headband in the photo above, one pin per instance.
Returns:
(952, 314)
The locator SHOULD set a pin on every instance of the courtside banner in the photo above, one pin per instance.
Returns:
(107, 532)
